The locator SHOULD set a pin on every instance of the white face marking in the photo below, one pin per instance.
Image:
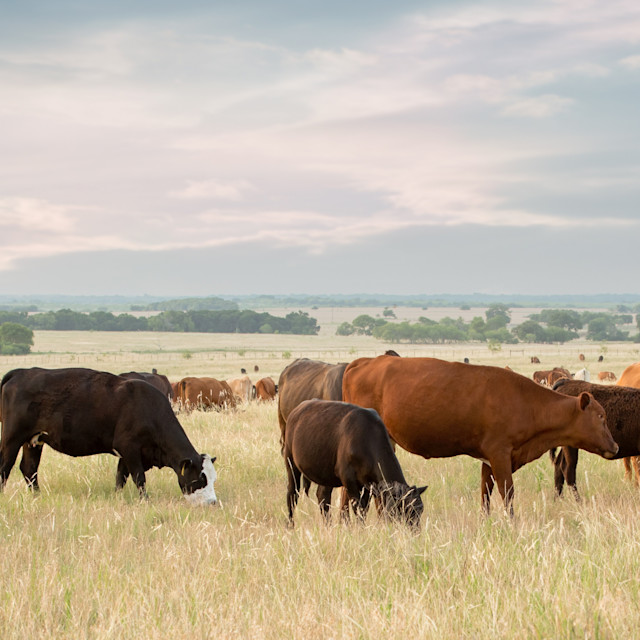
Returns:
(207, 494)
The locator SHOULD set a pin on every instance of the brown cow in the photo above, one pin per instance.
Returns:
(631, 378)
(557, 373)
(607, 376)
(205, 393)
(241, 388)
(535, 360)
(336, 444)
(439, 409)
(155, 379)
(622, 405)
(581, 357)
(266, 389)
(305, 379)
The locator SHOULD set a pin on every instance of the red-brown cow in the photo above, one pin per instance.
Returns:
(266, 389)
(439, 409)
(205, 393)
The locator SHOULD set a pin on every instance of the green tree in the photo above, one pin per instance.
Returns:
(344, 329)
(15, 339)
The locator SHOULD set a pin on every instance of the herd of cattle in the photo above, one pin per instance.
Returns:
(339, 424)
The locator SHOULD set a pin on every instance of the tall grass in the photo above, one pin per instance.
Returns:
(80, 561)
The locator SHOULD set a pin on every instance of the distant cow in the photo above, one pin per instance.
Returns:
(548, 377)
(600, 358)
(82, 412)
(158, 380)
(438, 409)
(622, 406)
(266, 389)
(581, 357)
(582, 374)
(556, 374)
(607, 376)
(205, 393)
(241, 388)
(336, 444)
(535, 360)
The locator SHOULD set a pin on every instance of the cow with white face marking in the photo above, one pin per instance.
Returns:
(82, 412)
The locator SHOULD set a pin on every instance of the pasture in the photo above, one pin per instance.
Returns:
(79, 561)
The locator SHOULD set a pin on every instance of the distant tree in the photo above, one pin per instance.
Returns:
(388, 313)
(604, 328)
(15, 339)
(497, 315)
(345, 329)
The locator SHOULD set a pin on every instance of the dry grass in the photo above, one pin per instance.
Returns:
(80, 561)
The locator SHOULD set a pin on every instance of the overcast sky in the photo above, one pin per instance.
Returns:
(209, 147)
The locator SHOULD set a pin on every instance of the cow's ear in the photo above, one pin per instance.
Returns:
(584, 398)
(421, 490)
(184, 465)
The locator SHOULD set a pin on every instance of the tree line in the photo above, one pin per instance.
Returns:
(548, 326)
(204, 321)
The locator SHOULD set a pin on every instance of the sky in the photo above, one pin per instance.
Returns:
(210, 148)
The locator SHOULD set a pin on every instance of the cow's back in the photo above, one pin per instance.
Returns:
(630, 377)
(437, 408)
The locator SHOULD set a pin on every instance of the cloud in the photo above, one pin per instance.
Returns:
(214, 189)
(543, 106)
(631, 62)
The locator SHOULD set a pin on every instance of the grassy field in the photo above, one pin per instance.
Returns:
(80, 561)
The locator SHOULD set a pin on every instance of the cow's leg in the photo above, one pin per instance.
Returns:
(635, 461)
(136, 469)
(293, 486)
(355, 492)
(570, 455)
(29, 464)
(559, 465)
(8, 456)
(324, 500)
(627, 468)
(122, 473)
(486, 487)
(501, 468)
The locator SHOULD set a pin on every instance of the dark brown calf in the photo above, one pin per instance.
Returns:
(337, 444)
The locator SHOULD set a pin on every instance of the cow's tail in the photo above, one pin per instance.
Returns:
(4, 381)
(552, 455)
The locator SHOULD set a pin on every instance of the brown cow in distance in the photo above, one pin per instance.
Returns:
(581, 357)
(336, 444)
(439, 409)
(548, 377)
(205, 393)
(266, 389)
(535, 360)
(242, 389)
(607, 376)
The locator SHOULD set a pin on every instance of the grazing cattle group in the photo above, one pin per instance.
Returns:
(439, 409)
(339, 424)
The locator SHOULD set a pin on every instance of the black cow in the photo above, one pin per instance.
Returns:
(83, 412)
(622, 406)
(337, 444)
(158, 380)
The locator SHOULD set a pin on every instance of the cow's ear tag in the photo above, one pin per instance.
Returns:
(182, 470)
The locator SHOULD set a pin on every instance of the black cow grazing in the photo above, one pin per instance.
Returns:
(82, 412)
(158, 380)
(338, 444)
(622, 406)
(600, 358)
(243, 371)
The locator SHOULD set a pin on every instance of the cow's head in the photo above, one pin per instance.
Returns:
(593, 432)
(402, 502)
(196, 478)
